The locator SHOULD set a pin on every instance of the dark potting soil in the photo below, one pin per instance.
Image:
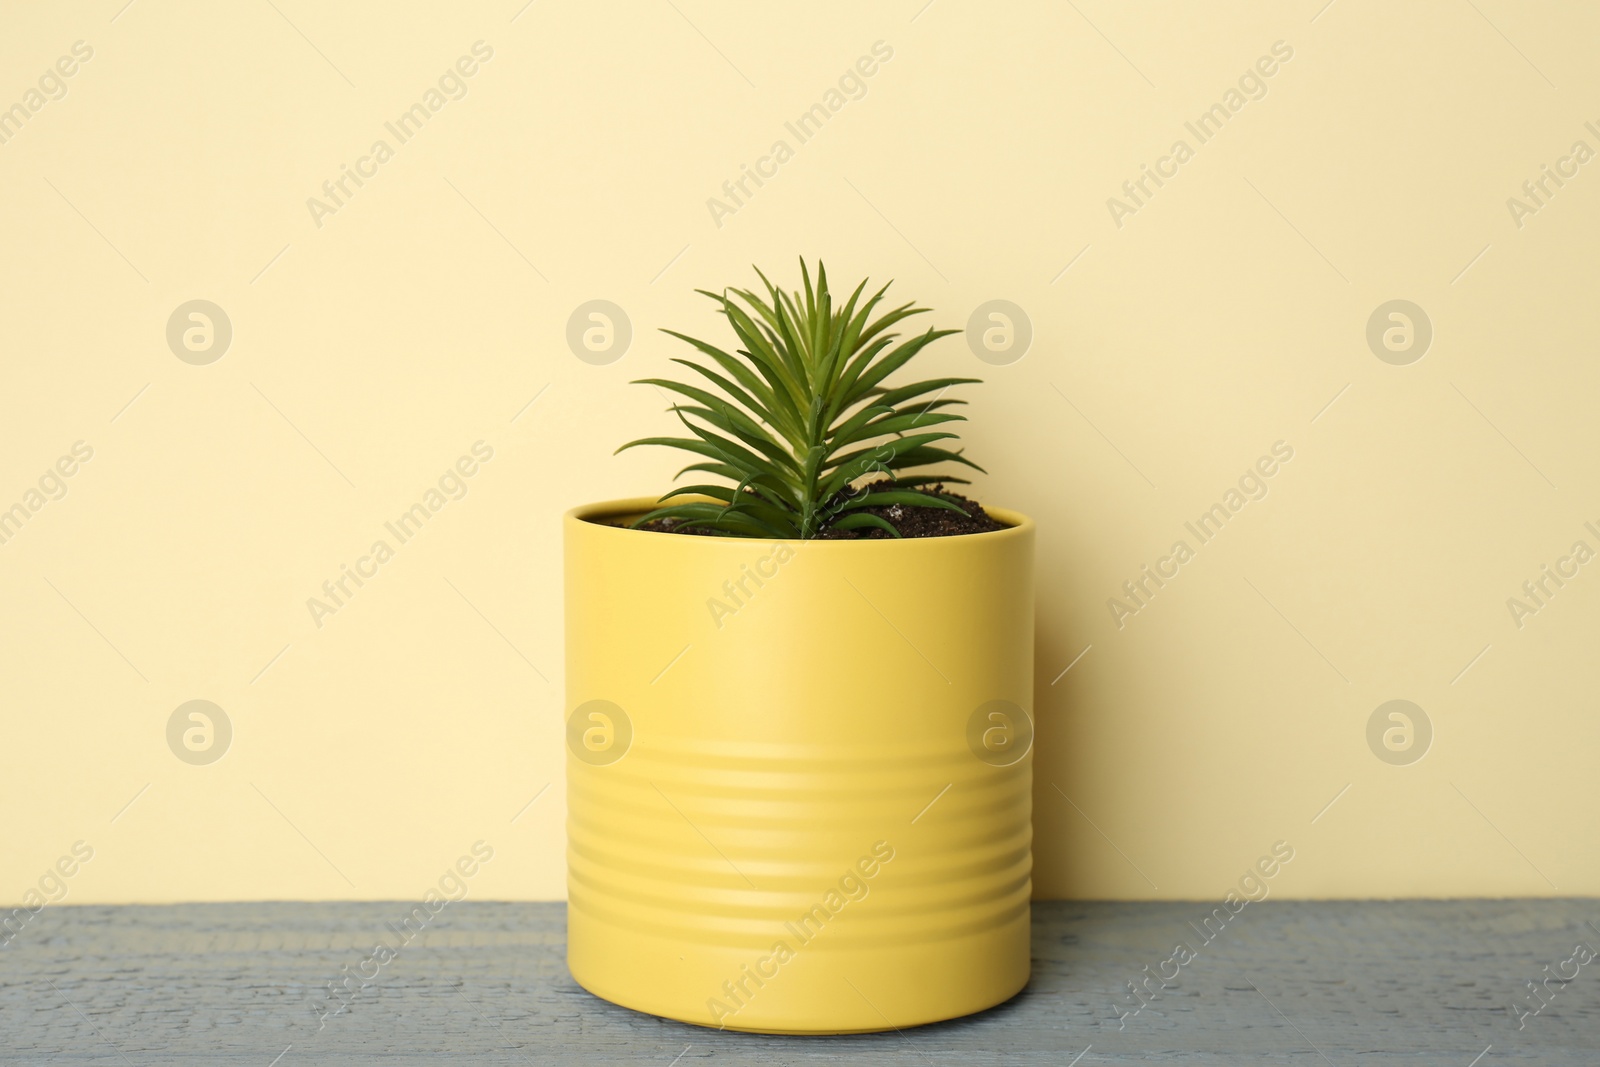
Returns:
(911, 521)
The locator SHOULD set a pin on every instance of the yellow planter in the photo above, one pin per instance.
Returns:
(799, 774)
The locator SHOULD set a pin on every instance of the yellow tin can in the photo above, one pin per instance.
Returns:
(799, 774)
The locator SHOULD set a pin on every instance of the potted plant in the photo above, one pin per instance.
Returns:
(800, 695)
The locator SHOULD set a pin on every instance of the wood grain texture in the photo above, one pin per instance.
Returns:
(1419, 982)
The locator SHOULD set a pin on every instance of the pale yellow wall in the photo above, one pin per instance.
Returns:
(377, 348)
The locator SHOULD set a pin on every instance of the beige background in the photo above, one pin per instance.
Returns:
(369, 353)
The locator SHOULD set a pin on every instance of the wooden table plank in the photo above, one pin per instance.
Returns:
(1417, 982)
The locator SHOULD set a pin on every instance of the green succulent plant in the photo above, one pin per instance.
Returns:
(800, 415)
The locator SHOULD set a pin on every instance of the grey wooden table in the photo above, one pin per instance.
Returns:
(1283, 983)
